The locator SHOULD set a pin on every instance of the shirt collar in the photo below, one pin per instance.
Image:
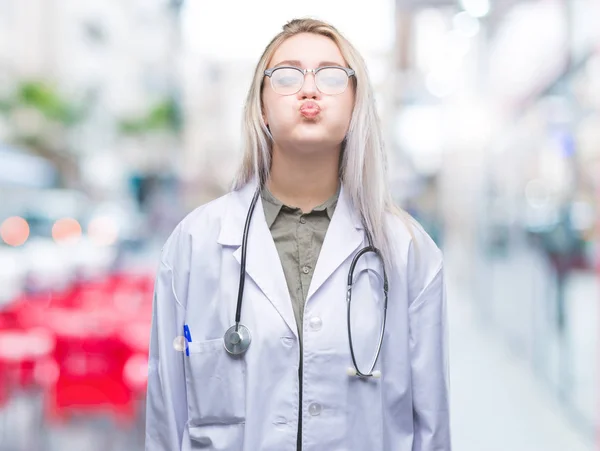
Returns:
(272, 205)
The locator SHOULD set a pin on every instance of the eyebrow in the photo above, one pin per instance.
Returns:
(299, 64)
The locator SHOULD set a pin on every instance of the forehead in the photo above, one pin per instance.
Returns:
(308, 48)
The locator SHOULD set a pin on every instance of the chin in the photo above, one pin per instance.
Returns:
(314, 136)
(310, 143)
(309, 137)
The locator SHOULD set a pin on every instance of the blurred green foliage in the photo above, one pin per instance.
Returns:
(46, 99)
(47, 139)
(163, 116)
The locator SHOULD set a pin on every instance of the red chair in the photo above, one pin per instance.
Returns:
(91, 359)
(95, 360)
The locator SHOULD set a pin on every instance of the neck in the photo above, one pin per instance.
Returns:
(304, 180)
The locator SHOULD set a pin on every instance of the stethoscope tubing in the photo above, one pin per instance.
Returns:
(238, 310)
(360, 253)
(235, 349)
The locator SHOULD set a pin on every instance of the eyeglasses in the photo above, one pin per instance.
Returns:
(288, 80)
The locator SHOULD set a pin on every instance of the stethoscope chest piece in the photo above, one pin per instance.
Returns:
(237, 339)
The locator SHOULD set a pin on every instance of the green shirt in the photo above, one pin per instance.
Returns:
(298, 238)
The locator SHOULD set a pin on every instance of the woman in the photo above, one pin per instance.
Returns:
(314, 171)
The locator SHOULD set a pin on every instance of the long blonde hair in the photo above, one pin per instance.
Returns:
(363, 162)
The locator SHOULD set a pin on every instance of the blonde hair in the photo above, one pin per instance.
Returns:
(363, 162)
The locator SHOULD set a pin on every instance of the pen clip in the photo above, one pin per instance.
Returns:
(188, 338)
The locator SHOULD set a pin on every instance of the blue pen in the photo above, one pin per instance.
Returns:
(188, 338)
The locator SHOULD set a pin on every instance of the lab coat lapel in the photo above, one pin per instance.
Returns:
(344, 236)
(263, 264)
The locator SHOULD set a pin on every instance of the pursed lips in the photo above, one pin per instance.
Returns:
(310, 109)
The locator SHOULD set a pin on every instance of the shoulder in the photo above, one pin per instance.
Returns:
(417, 256)
(202, 223)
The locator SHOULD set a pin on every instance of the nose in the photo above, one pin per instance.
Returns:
(309, 87)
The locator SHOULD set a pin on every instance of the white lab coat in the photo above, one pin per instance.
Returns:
(211, 401)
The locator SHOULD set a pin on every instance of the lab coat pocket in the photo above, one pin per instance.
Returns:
(216, 385)
(221, 437)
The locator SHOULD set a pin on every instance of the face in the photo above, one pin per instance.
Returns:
(308, 119)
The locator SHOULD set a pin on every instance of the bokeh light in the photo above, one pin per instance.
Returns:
(179, 343)
(66, 230)
(46, 372)
(466, 24)
(135, 371)
(103, 231)
(14, 231)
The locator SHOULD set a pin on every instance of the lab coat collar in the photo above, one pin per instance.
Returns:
(344, 236)
(239, 201)
(273, 205)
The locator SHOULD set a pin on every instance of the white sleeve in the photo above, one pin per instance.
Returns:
(166, 402)
(429, 366)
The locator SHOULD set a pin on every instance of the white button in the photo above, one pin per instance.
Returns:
(306, 270)
(315, 409)
(287, 341)
(315, 323)
(303, 220)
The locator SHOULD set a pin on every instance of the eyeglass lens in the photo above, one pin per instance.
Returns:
(287, 81)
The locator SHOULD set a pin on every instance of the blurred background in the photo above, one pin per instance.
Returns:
(118, 117)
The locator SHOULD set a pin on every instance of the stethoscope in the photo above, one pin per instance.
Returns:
(237, 338)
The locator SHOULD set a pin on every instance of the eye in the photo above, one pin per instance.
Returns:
(287, 80)
(286, 77)
(332, 77)
(332, 81)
